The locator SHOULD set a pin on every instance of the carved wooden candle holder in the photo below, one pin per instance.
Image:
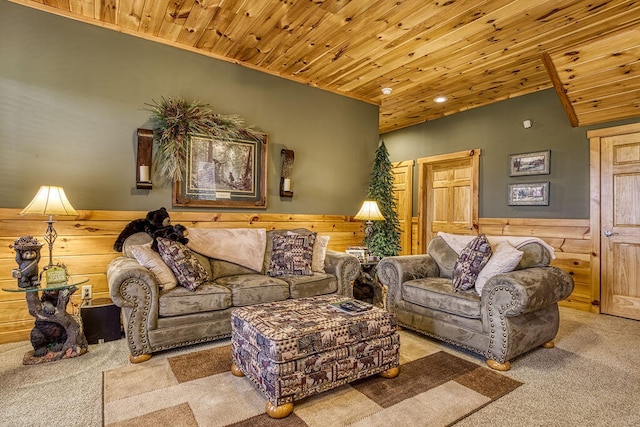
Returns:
(143, 168)
(285, 176)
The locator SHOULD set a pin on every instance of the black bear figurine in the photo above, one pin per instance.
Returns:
(154, 221)
(176, 232)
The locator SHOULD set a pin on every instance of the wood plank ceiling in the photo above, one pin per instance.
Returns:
(474, 52)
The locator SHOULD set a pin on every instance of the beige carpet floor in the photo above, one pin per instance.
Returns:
(591, 378)
(434, 388)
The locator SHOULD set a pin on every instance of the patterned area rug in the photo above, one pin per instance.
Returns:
(434, 388)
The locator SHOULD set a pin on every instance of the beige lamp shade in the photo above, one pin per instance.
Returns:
(50, 201)
(369, 212)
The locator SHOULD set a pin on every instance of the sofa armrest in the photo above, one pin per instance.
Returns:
(134, 288)
(345, 267)
(393, 271)
(527, 290)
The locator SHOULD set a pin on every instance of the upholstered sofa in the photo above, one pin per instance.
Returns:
(514, 312)
(241, 270)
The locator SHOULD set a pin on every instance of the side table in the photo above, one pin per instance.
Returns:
(56, 334)
(366, 286)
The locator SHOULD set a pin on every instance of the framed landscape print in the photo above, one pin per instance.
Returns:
(529, 194)
(223, 173)
(536, 163)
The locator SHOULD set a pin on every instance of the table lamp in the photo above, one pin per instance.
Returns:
(369, 212)
(50, 201)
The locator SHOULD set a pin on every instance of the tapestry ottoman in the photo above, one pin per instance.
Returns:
(297, 348)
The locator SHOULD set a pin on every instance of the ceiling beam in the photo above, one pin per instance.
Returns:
(557, 85)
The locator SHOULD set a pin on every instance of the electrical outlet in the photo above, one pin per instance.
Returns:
(86, 292)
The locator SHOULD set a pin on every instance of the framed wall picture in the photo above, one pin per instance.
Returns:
(529, 194)
(223, 173)
(536, 163)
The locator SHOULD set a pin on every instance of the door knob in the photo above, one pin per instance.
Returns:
(609, 233)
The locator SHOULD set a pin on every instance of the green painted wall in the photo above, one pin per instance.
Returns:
(72, 96)
(498, 131)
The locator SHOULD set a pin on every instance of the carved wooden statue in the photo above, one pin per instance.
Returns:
(27, 256)
(56, 333)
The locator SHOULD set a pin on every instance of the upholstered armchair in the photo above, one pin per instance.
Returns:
(515, 311)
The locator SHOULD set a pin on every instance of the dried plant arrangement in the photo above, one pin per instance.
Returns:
(175, 120)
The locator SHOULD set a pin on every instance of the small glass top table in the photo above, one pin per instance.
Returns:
(56, 334)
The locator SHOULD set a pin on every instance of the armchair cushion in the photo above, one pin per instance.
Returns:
(437, 293)
(470, 262)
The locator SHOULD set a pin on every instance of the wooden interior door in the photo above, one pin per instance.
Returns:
(448, 195)
(620, 224)
(402, 191)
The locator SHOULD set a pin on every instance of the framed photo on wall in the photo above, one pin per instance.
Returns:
(529, 194)
(224, 173)
(536, 163)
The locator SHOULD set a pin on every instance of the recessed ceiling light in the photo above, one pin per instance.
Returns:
(440, 99)
(387, 90)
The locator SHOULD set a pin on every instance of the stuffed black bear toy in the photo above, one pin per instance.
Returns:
(176, 232)
(154, 221)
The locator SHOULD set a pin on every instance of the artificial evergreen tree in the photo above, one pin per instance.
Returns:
(384, 240)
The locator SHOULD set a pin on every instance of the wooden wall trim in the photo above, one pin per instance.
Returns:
(85, 246)
(571, 241)
(594, 214)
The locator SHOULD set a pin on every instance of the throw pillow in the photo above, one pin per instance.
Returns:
(504, 259)
(189, 272)
(319, 251)
(150, 259)
(470, 262)
(292, 255)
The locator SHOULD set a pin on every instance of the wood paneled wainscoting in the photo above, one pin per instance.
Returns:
(571, 240)
(85, 246)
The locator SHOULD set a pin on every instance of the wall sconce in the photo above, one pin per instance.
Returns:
(143, 169)
(285, 176)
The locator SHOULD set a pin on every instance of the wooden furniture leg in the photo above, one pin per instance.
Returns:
(236, 371)
(493, 364)
(278, 411)
(139, 359)
(390, 373)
